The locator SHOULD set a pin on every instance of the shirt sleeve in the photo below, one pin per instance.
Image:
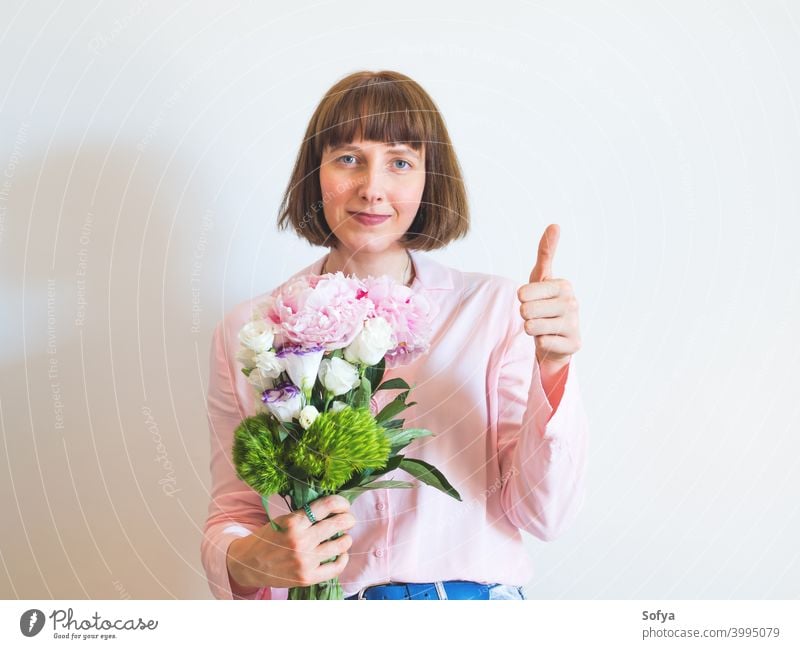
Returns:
(542, 451)
(235, 509)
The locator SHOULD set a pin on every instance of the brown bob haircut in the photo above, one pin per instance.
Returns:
(386, 107)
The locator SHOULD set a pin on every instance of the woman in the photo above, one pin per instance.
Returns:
(377, 182)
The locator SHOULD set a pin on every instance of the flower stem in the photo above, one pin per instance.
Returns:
(330, 589)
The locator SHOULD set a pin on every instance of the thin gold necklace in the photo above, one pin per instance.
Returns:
(408, 263)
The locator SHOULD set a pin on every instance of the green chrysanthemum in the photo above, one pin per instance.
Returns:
(258, 457)
(340, 443)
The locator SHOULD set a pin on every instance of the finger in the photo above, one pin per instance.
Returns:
(330, 570)
(546, 308)
(321, 508)
(539, 290)
(556, 345)
(334, 547)
(547, 251)
(324, 530)
(546, 326)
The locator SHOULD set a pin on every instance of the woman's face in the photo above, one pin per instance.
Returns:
(371, 178)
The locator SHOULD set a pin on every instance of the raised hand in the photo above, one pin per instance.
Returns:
(549, 307)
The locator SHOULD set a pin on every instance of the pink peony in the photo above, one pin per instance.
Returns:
(327, 310)
(408, 313)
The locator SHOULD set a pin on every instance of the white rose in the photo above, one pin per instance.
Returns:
(338, 376)
(371, 345)
(336, 406)
(269, 364)
(259, 381)
(257, 335)
(307, 416)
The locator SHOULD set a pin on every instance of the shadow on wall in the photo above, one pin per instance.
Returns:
(104, 371)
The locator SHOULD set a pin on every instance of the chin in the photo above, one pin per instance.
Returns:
(369, 244)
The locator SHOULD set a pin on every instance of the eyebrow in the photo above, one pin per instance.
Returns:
(394, 149)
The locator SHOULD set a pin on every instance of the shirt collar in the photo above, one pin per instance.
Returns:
(430, 274)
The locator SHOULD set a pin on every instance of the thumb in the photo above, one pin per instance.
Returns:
(544, 257)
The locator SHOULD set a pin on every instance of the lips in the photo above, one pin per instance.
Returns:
(367, 218)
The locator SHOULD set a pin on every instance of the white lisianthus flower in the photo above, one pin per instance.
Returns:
(270, 365)
(284, 402)
(371, 345)
(338, 376)
(257, 335)
(336, 406)
(302, 365)
(307, 416)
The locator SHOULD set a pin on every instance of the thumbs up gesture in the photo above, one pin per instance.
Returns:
(549, 307)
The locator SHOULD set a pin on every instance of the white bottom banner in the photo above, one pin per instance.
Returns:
(531, 623)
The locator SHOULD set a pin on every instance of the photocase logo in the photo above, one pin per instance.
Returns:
(31, 622)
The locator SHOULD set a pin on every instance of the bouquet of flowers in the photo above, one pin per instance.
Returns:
(315, 353)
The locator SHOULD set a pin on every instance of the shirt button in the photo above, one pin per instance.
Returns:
(380, 506)
(378, 553)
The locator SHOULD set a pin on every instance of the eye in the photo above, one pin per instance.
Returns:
(347, 155)
(405, 162)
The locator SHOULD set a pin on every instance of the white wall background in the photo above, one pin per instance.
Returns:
(144, 148)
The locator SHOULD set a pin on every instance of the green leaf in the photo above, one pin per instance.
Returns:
(355, 492)
(294, 428)
(394, 424)
(363, 394)
(246, 371)
(289, 429)
(393, 384)
(391, 465)
(299, 492)
(273, 524)
(301, 488)
(318, 396)
(303, 492)
(394, 407)
(374, 374)
(430, 475)
(355, 479)
(405, 436)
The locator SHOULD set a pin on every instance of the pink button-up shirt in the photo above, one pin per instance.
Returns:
(518, 463)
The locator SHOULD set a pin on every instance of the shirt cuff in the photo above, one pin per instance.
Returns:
(556, 421)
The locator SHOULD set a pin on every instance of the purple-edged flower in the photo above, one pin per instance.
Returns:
(283, 401)
(302, 365)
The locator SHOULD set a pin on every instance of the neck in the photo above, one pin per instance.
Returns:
(394, 263)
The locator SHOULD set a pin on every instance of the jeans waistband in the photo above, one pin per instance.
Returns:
(429, 590)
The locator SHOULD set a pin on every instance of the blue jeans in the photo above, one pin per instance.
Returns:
(501, 591)
(496, 591)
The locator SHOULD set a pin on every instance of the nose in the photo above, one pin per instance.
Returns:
(371, 186)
